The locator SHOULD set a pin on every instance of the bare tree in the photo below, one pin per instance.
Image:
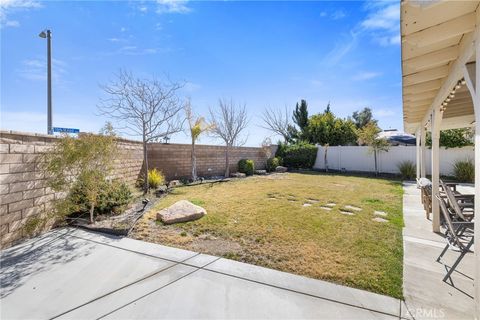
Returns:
(196, 126)
(143, 107)
(228, 123)
(277, 121)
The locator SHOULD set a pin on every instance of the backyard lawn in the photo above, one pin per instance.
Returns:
(282, 221)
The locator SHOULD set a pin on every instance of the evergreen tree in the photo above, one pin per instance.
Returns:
(363, 117)
(300, 115)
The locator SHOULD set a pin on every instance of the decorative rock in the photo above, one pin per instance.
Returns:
(331, 204)
(348, 213)
(181, 211)
(261, 172)
(326, 208)
(378, 219)
(281, 169)
(174, 183)
(307, 205)
(353, 208)
(380, 213)
(238, 175)
(312, 200)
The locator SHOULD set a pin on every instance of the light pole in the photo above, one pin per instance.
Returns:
(48, 34)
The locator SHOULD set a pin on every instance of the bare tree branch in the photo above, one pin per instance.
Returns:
(277, 121)
(228, 122)
(145, 107)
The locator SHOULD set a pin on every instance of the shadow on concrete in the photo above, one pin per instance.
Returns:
(18, 264)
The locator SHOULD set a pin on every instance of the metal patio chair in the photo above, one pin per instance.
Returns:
(461, 204)
(458, 233)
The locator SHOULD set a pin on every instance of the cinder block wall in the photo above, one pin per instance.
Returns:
(23, 189)
(175, 159)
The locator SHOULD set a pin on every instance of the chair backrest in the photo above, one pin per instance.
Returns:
(451, 232)
(452, 201)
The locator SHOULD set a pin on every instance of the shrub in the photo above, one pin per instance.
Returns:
(464, 170)
(246, 166)
(407, 169)
(300, 155)
(155, 178)
(273, 163)
(113, 197)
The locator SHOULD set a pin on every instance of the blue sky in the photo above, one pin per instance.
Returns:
(258, 53)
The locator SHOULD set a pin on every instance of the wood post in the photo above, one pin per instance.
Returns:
(436, 122)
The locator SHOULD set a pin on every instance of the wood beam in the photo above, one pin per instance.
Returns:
(423, 87)
(420, 96)
(430, 60)
(443, 31)
(427, 75)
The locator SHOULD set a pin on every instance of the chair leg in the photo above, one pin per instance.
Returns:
(464, 252)
(443, 252)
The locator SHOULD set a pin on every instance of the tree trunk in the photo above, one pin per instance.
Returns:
(227, 161)
(145, 162)
(92, 208)
(194, 162)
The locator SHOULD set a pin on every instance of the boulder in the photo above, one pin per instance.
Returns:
(260, 172)
(181, 211)
(281, 169)
(238, 175)
(174, 183)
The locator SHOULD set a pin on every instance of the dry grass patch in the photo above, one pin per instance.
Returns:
(262, 220)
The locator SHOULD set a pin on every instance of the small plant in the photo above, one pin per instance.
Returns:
(464, 170)
(407, 169)
(155, 178)
(246, 166)
(273, 163)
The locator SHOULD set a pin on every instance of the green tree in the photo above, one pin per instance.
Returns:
(368, 135)
(325, 128)
(453, 138)
(85, 161)
(363, 117)
(300, 115)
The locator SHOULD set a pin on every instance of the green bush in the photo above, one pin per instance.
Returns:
(113, 197)
(155, 178)
(464, 170)
(246, 166)
(273, 163)
(407, 169)
(300, 155)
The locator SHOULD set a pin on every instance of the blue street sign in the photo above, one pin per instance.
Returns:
(66, 130)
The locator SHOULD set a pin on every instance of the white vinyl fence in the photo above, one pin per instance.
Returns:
(356, 158)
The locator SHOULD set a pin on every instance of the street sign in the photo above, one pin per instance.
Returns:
(66, 130)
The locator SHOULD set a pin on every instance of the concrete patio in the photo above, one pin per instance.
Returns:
(426, 295)
(71, 273)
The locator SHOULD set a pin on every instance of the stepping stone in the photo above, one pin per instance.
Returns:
(353, 208)
(380, 213)
(378, 219)
(326, 208)
(312, 200)
(348, 213)
(307, 205)
(331, 204)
